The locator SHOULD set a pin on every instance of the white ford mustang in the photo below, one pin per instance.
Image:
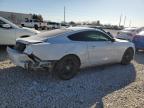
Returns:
(66, 50)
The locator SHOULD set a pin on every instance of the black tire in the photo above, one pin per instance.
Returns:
(22, 25)
(36, 27)
(67, 67)
(137, 50)
(128, 56)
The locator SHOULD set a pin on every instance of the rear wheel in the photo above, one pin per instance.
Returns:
(22, 25)
(67, 67)
(137, 50)
(128, 56)
(36, 27)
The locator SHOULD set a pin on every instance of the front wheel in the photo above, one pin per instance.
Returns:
(22, 25)
(128, 56)
(36, 27)
(67, 67)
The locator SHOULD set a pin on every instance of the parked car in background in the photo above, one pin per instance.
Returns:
(138, 40)
(66, 50)
(33, 23)
(9, 32)
(128, 33)
(65, 25)
(53, 25)
(99, 27)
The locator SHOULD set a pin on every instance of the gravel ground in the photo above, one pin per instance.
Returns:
(113, 86)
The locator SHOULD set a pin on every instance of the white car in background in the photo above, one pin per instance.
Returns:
(128, 33)
(33, 23)
(66, 50)
(53, 25)
(9, 32)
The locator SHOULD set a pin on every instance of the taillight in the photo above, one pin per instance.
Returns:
(20, 46)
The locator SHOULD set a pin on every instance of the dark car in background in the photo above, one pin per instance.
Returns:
(138, 40)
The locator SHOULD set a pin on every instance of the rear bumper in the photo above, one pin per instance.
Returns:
(24, 61)
(18, 58)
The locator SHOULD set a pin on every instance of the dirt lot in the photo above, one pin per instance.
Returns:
(113, 86)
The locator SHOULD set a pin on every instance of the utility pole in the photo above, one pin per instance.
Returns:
(130, 24)
(64, 15)
(120, 21)
(124, 21)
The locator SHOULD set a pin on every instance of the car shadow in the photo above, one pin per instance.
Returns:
(110, 78)
(139, 57)
(20, 88)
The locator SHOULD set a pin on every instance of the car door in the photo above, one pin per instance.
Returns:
(7, 35)
(101, 49)
(30, 23)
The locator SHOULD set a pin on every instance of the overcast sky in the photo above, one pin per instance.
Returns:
(107, 11)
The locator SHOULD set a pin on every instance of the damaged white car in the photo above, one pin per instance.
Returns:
(66, 50)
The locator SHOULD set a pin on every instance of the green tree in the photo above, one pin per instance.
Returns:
(37, 17)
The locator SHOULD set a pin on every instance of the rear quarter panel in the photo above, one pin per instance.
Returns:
(46, 51)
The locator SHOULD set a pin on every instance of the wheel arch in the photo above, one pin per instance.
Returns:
(131, 49)
(74, 55)
(127, 49)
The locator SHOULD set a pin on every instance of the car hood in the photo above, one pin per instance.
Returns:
(30, 30)
(121, 40)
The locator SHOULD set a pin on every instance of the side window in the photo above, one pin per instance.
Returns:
(89, 36)
(81, 36)
(1, 23)
(97, 36)
(26, 20)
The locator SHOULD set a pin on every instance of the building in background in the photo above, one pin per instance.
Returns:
(16, 18)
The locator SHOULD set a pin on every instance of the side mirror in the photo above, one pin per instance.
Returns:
(110, 34)
(7, 26)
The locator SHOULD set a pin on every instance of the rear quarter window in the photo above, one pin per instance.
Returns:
(77, 36)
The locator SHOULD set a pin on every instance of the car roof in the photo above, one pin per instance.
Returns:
(80, 28)
(141, 33)
(58, 32)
